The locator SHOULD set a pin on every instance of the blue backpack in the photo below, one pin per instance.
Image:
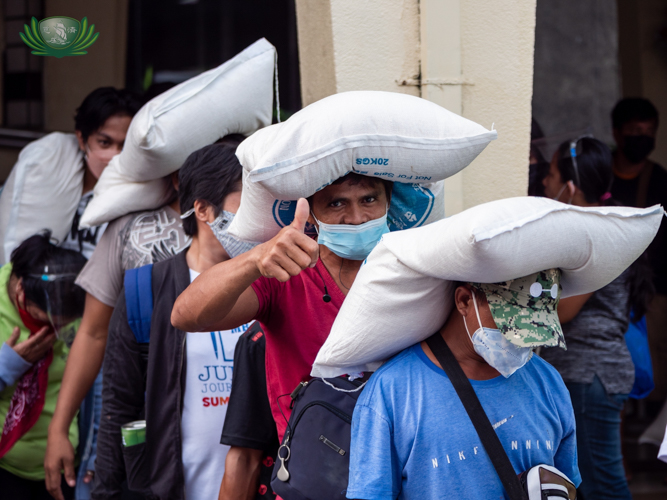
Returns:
(139, 303)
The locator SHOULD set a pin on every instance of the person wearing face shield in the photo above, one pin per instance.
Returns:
(412, 437)
(182, 386)
(597, 367)
(39, 303)
(294, 284)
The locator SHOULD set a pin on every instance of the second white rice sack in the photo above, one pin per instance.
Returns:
(42, 191)
(405, 139)
(403, 293)
(234, 98)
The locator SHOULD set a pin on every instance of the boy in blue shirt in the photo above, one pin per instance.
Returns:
(412, 437)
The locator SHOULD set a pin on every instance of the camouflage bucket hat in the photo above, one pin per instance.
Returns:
(526, 309)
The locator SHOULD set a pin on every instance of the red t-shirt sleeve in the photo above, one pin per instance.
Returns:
(263, 288)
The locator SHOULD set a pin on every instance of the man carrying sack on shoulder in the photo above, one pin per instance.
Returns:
(410, 410)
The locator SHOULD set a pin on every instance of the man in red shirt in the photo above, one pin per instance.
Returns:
(290, 284)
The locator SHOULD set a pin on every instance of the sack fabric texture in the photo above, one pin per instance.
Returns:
(234, 98)
(407, 282)
(405, 139)
(42, 192)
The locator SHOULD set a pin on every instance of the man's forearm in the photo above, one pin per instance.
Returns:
(242, 468)
(212, 296)
(83, 366)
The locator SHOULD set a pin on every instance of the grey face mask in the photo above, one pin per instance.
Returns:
(220, 227)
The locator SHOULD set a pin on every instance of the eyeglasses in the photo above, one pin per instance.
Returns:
(536, 290)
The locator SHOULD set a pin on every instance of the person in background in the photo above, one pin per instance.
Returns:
(249, 429)
(597, 367)
(640, 182)
(38, 301)
(100, 124)
(539, 167)
(184, 410)
(129, 242)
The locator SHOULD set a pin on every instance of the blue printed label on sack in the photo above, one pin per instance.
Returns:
(411, 205)
(283, 214)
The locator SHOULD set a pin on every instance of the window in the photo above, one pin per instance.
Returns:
(22, 72)
(173, 40)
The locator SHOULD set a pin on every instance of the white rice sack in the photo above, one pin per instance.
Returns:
(118, 196)
(403, 293)
(236, 97)
(42, 192)
(393, 136)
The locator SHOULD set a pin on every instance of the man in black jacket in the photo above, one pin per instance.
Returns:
(180, 457)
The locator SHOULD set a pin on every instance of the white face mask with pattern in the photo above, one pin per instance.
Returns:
(495, 349)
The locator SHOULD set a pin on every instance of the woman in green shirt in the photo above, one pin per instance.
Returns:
(38, 303)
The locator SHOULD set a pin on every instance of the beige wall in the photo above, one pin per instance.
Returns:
(68, 80)
(498, 47)
(357, 45)
(476, 58)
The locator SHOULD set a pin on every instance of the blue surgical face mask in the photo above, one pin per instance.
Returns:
(496, 350)
(220, 228)
(349, 241)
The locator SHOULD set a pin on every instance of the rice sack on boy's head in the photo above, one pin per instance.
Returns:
(234, 98)
(403, 293)
(409, 141)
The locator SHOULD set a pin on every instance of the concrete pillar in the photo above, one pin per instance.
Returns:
(68, 80)
(466, 55)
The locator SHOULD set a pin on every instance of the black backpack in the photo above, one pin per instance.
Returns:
(314, 457)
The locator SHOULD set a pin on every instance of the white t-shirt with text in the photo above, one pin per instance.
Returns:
(208, 383)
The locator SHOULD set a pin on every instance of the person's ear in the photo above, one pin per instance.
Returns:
(203, 211)
(571, 188)
(19, 292)
(463, 300)
(79, 138)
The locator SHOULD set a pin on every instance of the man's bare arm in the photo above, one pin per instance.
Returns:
(242, 468)
(221, 298)
(83, 366)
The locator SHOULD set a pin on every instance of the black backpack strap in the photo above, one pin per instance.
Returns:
(480, 420)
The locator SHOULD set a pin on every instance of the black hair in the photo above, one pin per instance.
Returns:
(100, 105)
(594, 167)
(633, 108)
(231, 140)
(209, 174)
(353, 179)
(37, 256)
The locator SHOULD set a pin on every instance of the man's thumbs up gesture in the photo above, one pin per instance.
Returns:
(290, 251)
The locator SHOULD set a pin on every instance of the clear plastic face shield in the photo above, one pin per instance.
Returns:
(64, 303)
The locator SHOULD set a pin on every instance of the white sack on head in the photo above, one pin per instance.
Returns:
(397, 137)
(403, 293)
(119, 196)
(234, 98)
(42, 192)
